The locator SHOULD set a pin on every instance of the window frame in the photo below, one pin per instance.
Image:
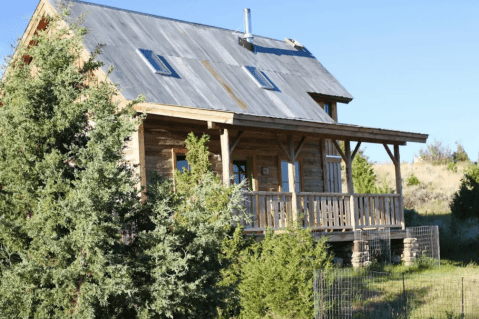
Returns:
(299, 177)
(163, 69)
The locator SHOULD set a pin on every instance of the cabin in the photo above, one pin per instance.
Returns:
(271, 108)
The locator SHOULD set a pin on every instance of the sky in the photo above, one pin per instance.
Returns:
(410, 65)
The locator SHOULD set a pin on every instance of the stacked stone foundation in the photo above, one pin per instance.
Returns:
(360, 257)
(410, 252)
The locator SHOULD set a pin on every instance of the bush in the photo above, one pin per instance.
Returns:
(460, 155)
(436, 153)
(277, 275)
(452, 166)
(465, 203)
(413, 180)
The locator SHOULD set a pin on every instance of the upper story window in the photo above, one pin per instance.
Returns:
(285, 177)
(326, 103)
(154, 61)
(259, 77)
(327, 108)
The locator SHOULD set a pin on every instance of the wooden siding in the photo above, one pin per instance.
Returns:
(161, 138)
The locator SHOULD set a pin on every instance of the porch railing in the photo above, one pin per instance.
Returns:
(321, 211)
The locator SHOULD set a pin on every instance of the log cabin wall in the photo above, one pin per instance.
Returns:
(162, 140)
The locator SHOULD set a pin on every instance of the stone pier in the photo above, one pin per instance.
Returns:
(360, 256)
(410, 252)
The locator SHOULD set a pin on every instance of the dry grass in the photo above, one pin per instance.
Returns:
(435, 191)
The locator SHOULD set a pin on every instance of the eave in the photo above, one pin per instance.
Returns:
(337, 131)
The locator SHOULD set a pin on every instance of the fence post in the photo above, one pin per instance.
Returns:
(462, 295)
(405, 295)
(321, 280)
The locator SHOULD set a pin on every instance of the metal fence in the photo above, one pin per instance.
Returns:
(349, 293)
(427, 241)
(378, 243)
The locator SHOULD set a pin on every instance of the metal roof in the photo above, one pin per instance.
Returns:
(207, 63)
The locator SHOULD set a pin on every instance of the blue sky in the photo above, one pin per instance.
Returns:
(410, 65)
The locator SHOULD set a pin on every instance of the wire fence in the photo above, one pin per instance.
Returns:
(427, 242)
(376, 243)
(349, 293)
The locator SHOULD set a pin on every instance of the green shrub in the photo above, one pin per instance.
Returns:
(413, 180)
(452, 166)
(465, 203)
(277, 275)
(460, 155)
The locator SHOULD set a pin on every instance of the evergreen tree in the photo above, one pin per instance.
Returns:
(465, 203)
(363, 175)
(66, 193)
(277, 275)
(182, 271)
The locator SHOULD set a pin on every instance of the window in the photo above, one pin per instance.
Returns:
(327, 108)
(284, 176)
(240, 172)
(154, 62)
(259, 77)
(182, 163)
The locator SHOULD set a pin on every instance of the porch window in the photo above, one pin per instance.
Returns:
(181, 162)
(284, 176)
(240, 172)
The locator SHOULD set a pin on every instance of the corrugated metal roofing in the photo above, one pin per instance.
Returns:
(208, 63)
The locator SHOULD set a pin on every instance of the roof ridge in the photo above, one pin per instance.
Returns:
(165, 18)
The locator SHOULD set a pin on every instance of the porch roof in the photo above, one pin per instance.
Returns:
(250, 122)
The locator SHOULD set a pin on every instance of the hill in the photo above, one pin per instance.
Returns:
(427, 203)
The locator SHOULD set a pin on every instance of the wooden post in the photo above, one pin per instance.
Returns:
(349, 179)
(397, 166)
(292, 179)
(141, 147)
(324, 165)
(225, 156)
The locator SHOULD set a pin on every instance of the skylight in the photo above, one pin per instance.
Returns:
(259, 78)
(154, 62)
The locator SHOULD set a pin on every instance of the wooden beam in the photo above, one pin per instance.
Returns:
(393, 158)
(397, 166)
(356, 149)
(292, 180)
(141, 146)
(322, 149)
(328, 130)
(300, 146)
(349, 180)
(285, 151)
(225, 156)
(212, 125)
(340, 151)
(235, 142)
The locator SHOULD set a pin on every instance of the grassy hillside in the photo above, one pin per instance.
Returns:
(427, 203)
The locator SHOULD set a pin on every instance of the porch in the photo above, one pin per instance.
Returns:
(322, 211)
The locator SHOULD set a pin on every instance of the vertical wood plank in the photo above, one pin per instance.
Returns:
(262, 219)
(397, 211)
(311, 211)
(225, 156)
(349, 180)
(276, 212)
(367, 213)
(323, 151)
(323, 212)
(388, 218)
(307, 204)
(335, 211)
(397, 166)
(347, 209)
(341, 211)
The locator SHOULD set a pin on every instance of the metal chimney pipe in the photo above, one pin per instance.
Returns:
(247, 25)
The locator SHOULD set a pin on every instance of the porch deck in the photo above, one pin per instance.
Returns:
(322, 211)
